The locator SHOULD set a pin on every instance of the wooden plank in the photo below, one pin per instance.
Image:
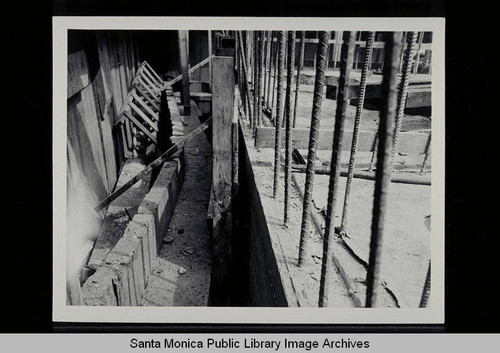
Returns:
(140, 126)
(143, 116)
(78, 72)
(191, 70)
(184, 63)
(410, 142)
(222, 144)
(145, 106)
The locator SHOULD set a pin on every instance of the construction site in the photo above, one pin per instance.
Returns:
(249, 168)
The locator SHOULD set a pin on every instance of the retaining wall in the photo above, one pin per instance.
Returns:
(122, 276)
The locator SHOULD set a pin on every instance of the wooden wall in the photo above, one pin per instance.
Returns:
(101, 66)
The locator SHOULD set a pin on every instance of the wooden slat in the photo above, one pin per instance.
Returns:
(153, 95)
(148, 81)
(153, 114)
(409, 142)
(191, 70)
(153, 72)
(143, 116)
(148, 73)
(144, 94)
(140, 126)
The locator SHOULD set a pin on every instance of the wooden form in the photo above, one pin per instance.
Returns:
(141, 108)
(222, 185)
(410, 142)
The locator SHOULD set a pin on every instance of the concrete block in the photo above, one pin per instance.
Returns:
(126, 258)
(147, 235)
(98, 289)
(160, 201)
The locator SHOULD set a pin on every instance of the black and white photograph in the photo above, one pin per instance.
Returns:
(279, 170)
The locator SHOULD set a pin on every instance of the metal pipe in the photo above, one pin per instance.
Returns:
(299, 69)
(384, 165)
(288, 114)
(355, 133)
(319, 83)
(277, 143)
(346, 63)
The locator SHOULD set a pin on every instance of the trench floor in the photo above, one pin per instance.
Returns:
(181, 275)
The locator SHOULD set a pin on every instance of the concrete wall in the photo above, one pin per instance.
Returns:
(264, 281)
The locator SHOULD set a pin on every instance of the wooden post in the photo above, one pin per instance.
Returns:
(222, 144)
(184, 63)
(210, 54)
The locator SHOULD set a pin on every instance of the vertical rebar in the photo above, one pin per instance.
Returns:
(319, 83)
(279, 113)
(255, 81)
(403, 86)
(427, 153)
(427, 289)
(346, 63)
(275, 74)
(288, 114)
(384, 164)
(285, 66)
(420, 41)
(260, 70)
(299, 69)
(355, 132)
(265, 69)
(245, 75)
(271, 61)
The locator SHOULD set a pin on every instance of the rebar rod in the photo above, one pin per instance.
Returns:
(255, 81)
(299, 69)
(245, 74)
(374, 153)
(260, 74)
(284, 102)
(427, 153)
(355, 133)
(277, 140)
(346, 63)
(420, 41)
(403, 86)
(319, 83)
(384, 165)
(275, 73)
(271, 56)
(427, 289)
(288, 114)
(267, 52)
